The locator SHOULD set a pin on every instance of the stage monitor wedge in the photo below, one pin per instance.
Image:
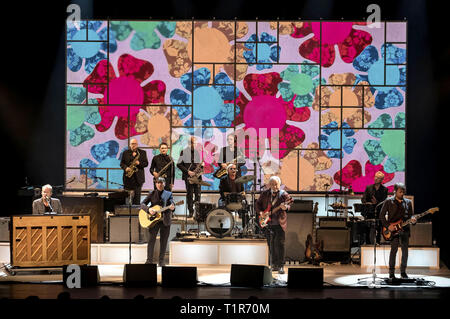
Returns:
(179, 276)
(140, 275)
(250, 275)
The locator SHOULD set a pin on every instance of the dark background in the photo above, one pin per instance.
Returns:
(32, 85)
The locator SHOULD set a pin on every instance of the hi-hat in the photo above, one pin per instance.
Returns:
(245, 179)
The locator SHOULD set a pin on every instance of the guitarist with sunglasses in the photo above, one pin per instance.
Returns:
(163, 198)
(274, 204)
(394, 209)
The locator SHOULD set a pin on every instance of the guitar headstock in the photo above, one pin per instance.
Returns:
(179, 202)
(433, 210)
(316, 207)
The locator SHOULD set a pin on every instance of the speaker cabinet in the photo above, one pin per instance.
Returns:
(139, 275)
(179, 276)
(250, 275)
(89, 276)
(119, 230)
(334, 239)
(305, 277)
(4, 229)
(298, 227)
(421, 234)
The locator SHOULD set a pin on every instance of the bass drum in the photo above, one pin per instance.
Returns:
(219, 223)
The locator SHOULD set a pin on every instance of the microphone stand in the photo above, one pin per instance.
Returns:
(375, 282)
(130, 197)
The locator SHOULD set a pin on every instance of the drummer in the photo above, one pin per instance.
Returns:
(228, 184)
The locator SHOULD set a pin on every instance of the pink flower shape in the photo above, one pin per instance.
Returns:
(351, 175)
(123, 91)
(351, 42)
(266, 111)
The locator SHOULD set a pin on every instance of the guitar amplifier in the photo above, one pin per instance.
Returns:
(332, 222)
(124, 210)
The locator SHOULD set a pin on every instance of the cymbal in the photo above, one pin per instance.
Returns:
(244, 179)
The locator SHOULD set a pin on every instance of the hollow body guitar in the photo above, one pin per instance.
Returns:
(149, 219)
(400, 224)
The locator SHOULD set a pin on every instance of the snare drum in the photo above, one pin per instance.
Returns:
(234, 201)
(219, 223)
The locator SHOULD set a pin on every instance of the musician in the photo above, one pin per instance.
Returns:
(230, 153)
(159, 162)
(276, 230)
(163, 198)
(134, 183)
(394, 209)
(228, 184)
(188, 162)
(375, 194)
(47, 203)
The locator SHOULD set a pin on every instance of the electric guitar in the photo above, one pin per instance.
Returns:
(312, 250)
(153, 216)
(400, 224)
(264, 217)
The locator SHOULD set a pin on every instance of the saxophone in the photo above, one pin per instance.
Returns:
(197, 173)
(133, 166)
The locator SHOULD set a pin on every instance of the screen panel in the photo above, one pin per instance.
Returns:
(323, 103)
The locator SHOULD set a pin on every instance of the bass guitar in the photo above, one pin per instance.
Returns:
(313, 250)
(264, 217)
(400, 224)
(153, 216)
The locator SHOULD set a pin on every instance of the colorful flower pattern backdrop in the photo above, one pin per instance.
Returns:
(333, 94)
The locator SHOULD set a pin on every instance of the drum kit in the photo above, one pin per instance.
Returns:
(221, 221)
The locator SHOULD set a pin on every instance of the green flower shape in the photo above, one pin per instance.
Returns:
(391, 143)
(299, 85)
(77, 115)
(145, 36)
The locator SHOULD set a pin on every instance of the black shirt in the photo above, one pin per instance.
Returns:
(156, 198)
(380, 194)
(158, 163)
(395, 210)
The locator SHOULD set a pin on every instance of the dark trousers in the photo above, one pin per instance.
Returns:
(164, 232)
(402, 240)
(275, 239)
(137, 194)
(192, 190)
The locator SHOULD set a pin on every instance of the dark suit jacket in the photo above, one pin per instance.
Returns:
(39, 207)
(167, 199)
(138, 178)
(266, 198)
(158, 163)
(188, 161)
(370, 191)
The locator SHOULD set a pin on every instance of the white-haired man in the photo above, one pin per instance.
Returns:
(46, 204)
(276, 226)
(375, 194)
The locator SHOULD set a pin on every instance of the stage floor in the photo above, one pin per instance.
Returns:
(340, 282)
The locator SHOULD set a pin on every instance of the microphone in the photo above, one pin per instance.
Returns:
(70, 180)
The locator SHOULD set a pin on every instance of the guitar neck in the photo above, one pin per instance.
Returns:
(416, 216)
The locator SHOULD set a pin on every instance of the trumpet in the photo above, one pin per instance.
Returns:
(133, 167)
(164, 169)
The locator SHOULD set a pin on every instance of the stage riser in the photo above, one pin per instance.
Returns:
(427, 257)
(116, 254)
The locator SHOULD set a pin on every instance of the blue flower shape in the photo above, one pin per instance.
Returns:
(369, 61)
(267, 52)
(332, 139)
(79, 49)
(213, 104)
(106, 156)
